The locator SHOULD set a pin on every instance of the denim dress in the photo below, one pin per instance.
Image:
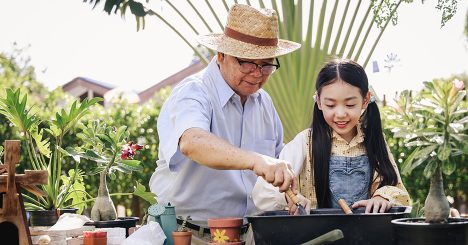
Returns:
(349, 179)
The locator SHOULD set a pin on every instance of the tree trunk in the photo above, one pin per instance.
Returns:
(436, 207)
(103, 208)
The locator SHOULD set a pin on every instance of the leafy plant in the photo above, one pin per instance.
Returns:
(44, 140)
(434, 124)
(183, 226)
(108, 147)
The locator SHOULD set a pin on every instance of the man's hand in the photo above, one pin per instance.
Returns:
(376, 204)
(276, 172)
(293, 210)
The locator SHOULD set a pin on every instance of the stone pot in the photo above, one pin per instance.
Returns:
(182, 237)
(225, 229)
(47, 217)
(415, 231)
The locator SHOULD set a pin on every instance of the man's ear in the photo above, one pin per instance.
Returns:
(220, 57)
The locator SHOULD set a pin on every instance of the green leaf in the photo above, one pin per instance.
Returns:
(120, 134)
(417, 210)
(77, 192)
(140, 190)
(444, 152)
(448, 167)
(107, 141)
(131, 164)
(121, 168)
(137, 8)
(112, 176)
(430, 169)
(465, 149)
(406, 165)
(96, 170)
(42, 145)
(54, 130)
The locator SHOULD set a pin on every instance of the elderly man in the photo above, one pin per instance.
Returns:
(219, 129)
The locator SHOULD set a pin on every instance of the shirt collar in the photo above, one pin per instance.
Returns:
(225, 93)
(359, 138)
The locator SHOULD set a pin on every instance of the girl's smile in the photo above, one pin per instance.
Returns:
(342, 104)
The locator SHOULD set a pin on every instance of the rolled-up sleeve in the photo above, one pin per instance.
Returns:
(265, 196)
(188, 108)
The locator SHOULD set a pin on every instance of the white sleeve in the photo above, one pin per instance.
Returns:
(265, 196)
(188, 107)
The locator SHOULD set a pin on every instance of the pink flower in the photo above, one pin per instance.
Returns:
(458, 85)
(129, 150)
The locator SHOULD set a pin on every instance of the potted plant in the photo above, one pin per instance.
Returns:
(225, 230)
(182, 236)
(434, 122)
(44, 138)
(110, 149)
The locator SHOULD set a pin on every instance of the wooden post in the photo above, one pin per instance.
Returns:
(12, 212)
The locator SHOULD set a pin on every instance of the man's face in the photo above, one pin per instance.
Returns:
(243, 83)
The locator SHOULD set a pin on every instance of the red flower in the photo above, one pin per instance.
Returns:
(129, 150)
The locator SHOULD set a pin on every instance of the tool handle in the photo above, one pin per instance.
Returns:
(344, 206)
(293, 196)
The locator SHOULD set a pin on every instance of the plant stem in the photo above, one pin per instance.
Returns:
(94, 198)
(436, 207)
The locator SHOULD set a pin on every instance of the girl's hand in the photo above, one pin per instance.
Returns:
(376, 204)
(293, 210)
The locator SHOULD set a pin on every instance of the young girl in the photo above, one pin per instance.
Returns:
(344, 154)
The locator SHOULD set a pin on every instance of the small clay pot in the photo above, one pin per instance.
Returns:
(182, 237)
(225, 229)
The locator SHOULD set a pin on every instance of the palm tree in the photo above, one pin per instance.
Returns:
(326, 29)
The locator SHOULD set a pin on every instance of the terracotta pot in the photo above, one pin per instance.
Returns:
(225, 229)
(182, 237)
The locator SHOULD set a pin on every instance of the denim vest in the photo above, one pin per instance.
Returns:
(349, 179)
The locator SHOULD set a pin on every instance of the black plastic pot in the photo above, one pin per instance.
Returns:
(417, 232)
(124, 222)
(47, 217)
(277, 227)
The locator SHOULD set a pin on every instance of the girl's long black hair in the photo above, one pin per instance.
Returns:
(352, 73)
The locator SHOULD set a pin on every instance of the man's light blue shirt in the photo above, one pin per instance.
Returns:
(206, 101)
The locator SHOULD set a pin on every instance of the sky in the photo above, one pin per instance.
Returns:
(68, 39)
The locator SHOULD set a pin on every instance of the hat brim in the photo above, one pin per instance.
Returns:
(221, 43)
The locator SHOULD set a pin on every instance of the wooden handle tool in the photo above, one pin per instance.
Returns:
(344, 206)
(295, 200)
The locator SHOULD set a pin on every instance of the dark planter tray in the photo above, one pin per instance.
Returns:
(416, 232)
(277, 227)
(124, 222)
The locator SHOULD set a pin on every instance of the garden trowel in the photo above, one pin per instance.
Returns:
(295, 200)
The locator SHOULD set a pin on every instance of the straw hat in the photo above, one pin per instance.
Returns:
(249, 33)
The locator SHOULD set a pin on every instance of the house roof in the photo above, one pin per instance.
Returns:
(79, 85)
(172, 80)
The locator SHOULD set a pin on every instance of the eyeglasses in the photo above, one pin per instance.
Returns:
(247, 67)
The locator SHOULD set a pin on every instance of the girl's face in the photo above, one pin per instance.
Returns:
(342, 104)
